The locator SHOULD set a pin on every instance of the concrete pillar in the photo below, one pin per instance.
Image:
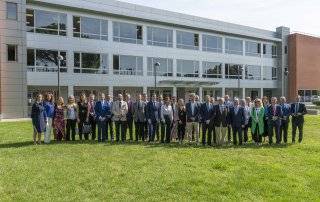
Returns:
(174, 38)
(69, 25)
(174, 91)
(223, 93)
(223, 45)
(110, 63)
(110, 91)
(145, 66)
(200, 69)
(223, 70)
(200, 93)
(200, 42)
(243, 92)
(110, 31)
(144, 35)
(70, 90)
(261, 90)
(145, 89)
(243, 47)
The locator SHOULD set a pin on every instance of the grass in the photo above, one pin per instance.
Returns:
(89, 171)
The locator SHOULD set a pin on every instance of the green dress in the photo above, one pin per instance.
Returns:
(259, 121)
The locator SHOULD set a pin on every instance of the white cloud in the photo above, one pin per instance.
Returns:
(298, 15)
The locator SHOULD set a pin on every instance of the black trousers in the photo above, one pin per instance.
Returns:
(245, 133)
(207, 130)
(237, 135)
(146, 130)
(274, 126)
(93, 124)
(256, 136)
(130, 128)
(71, 127)
(139, 128)
(80, 125)
(294, 131)
(109, 129)
(121, 128)
(284, 131)
(181, 131)
(168, 127)
(229, 134)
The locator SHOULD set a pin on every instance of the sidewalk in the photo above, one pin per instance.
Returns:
(15, 120)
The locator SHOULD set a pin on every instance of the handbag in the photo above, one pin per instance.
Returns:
(86, 128)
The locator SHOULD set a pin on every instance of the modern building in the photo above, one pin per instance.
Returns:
(112, 47)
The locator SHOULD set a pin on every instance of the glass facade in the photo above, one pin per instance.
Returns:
(270, 51)
(40, 60)
(234, 46)
(165, 68)
(270, 73)
(127, 33)
(90, 28)
(127, 65)
(211, 70)
(187, 68)
(12, 11)
(160, 37)
(233, 71)
(253, 49)
(187, 40)
(253, 72)
(46, 22)
(12, 53)
(211, 43)
(90, 63)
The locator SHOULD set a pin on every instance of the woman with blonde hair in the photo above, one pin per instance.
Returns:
(58, 119)
(72, 118)
(39, 118)
(182, 121)
(257, 125)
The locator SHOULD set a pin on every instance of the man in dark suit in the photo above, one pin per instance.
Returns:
(298, 110)
(92, 115)
(139, 117)
(193, 113)
(102, 109)
(228, 104)
(286, 110)
(221, 121)
(206, 120)
(160, 133)
(130, 116)
(153, 116)
(237, 121)
(274, 114)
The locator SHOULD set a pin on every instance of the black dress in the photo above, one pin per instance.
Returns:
(38, 116)
(182, 123)
(83, 112)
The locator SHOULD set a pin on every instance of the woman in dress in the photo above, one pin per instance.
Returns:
(83, 115)
(182, 120)
(49, 107)
(39, 119)
(72, 118)
(58, 120)
(258, 117)
(265, 104)
(174, 130)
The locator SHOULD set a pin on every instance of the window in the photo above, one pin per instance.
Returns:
(12, 53)
(253, 49)
(40, 60)
(233, 71)
(253, 72)
(212, 43)
(286, 50)
(165, 68)
(270, 73)
(187, 68)
(90, 63)
(90, 28)
(160, 37)
(234, 46)
(212, 70)
(187, 40)
(127, 33)
(46, 22)
(270, 51)
(127, 65)
(12, 11)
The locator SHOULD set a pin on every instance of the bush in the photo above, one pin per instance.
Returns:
(316, 103)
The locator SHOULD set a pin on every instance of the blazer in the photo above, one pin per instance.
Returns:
(286, 112)
(196, 113)
(220, 119)
(206, 112)
(182, 116)
(257, 119)
(130, 110)
(139, 111)
(120, 110)
(153, 111)
(103, 110)
(278, 113)
(301, 108)
(237, 120)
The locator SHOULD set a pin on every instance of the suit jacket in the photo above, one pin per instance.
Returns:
(103, 109)
(206, 112)
(196, 112)
(286, 112)
(153, 111)
(237, 119)
(139, 111)
(298, 119)
(277, 113)
(130, 110)
(220, 118)
(120, 110)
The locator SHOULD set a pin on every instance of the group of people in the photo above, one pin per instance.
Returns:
(220, 121)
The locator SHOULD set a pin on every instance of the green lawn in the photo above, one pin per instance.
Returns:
(90, 171)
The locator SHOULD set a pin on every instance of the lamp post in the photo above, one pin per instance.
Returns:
(156, 66)
(60, 57)
(240, 69)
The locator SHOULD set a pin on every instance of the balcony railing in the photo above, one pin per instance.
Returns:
(46, 69)
(89, 71)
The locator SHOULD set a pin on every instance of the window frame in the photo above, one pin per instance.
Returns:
(196, 66)
(168, 73)
(15, 47)
(80, 34)
(84, 70)
(233, 76)
(230, 51)
(152, 42)
(16, 10)
(124, 72)
(253, 77)
(205, 68)
(205, 46)
(196, 37)
(252, 54)
(118, 38)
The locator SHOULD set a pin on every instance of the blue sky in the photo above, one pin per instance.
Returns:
(299, 15)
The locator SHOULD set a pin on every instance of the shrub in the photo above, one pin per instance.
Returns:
(316, 103)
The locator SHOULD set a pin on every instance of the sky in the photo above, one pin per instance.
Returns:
(298, 15)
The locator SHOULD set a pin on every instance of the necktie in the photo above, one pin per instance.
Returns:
(297, 108)
(120, 105)
(274, 110)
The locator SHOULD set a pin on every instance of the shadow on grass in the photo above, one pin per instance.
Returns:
(173, 145)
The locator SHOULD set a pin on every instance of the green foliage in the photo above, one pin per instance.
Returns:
(84, 171)
(316, 103)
